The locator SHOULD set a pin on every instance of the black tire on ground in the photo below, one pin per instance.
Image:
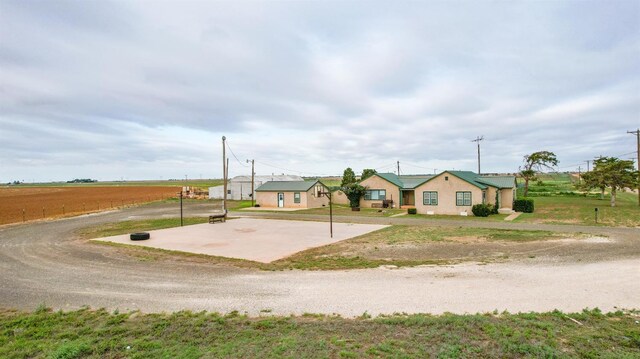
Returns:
(139, 236)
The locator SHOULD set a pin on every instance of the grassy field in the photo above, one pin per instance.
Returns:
(558, 201)
(401, 246)
(100, 334)
(581, 210)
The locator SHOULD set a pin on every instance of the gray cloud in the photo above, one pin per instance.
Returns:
(146, 90)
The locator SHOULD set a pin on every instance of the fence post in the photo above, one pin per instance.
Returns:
(63, 209)
(23, 215)
(43, 212)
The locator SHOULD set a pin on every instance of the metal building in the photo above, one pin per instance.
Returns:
(239, 187)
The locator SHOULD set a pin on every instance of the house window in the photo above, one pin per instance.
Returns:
(430, 198)
(296, 197)
(463, 198)
(318, 190)
(484, 196)
(375, 195)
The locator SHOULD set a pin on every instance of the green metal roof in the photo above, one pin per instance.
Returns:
(391, 177)
(468, 176)
(413, 181)
(498, 181)
(287, 186)
(405, 182)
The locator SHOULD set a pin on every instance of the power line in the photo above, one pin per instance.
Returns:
(416, 166)
(289, 170)
(387, 166)
(234, 155)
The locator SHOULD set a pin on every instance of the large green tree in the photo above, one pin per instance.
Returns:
(354, 192)
(610, 172)
(366, 173)
(620, 174)
(533, 164)
(348, 177)
(596, 178)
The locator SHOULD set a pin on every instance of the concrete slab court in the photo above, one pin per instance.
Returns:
(260, 240)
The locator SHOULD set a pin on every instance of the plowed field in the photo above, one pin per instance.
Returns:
(29, 203)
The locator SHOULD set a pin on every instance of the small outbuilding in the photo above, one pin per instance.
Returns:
(292, 194)
(239, 187)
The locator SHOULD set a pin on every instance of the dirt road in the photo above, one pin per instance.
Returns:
(45, 263)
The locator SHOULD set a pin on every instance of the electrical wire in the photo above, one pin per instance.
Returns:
(290, 170)
(234, 155)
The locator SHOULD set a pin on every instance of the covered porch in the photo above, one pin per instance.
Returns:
(407, 198)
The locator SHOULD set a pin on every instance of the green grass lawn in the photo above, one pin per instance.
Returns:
(343, 210)
(558, 201)
(100, 334)
(581, 210)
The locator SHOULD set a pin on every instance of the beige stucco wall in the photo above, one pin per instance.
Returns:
(506, 198)
(307, 199)
(313, 201)
(491, 195)
(447, 195)
(375, 182)
(338, 197)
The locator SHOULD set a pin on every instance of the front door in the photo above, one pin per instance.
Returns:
(408, 198)
(280, 199)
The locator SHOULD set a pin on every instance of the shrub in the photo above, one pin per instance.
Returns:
(412, 211)
(524, 205)
(354, 192)
(481, 210)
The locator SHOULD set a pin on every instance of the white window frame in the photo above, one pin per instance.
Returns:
(463, 198)
(430, 198)
(380, 195)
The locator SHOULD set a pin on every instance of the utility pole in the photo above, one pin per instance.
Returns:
(478, 139)
(253, 174)
(579, 174)
(587, 165)
(637, 133)
(398, 168)
(224, 175)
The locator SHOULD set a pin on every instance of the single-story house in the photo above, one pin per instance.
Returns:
(239, 187)
(292, 194)
(449, 192)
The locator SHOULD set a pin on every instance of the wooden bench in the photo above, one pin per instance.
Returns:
(221, 217)
(376, 205)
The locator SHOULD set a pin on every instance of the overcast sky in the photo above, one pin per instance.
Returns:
(146, 90)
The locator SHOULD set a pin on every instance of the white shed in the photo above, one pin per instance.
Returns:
(239, 187)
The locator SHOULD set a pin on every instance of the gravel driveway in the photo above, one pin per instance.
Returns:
(45, 263)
